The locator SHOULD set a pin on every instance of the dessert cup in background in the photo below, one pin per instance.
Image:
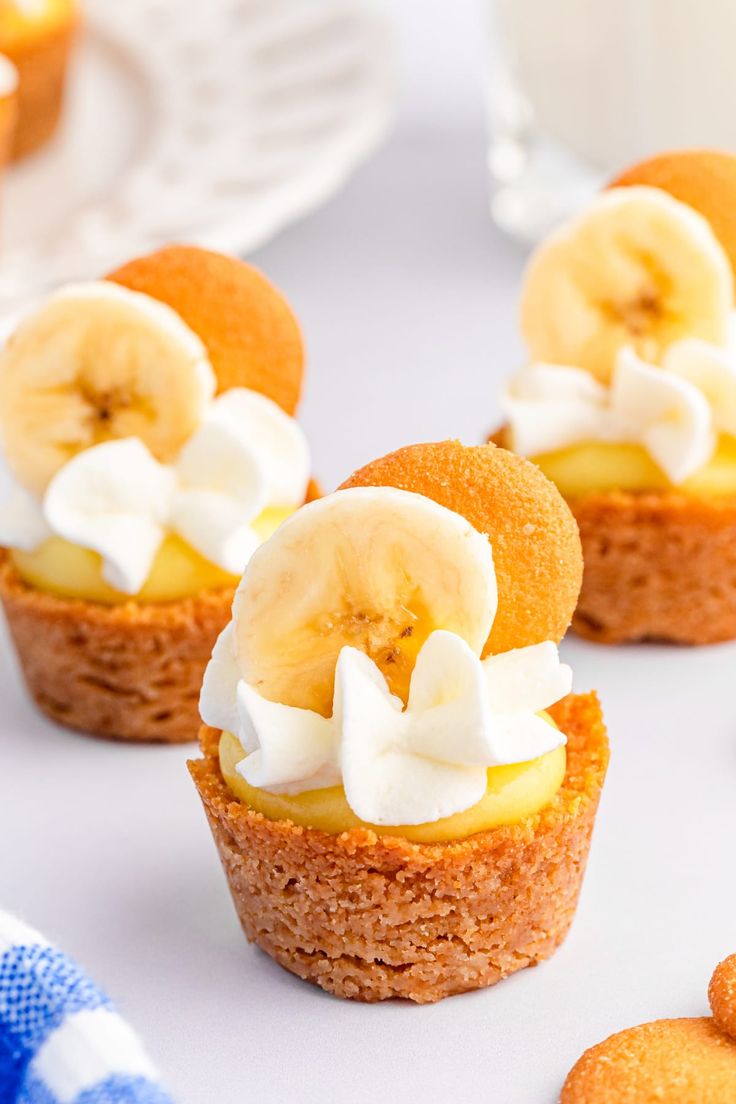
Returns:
(399, 783)
(150, 450)
(37, 36)
(628, 402)
(8, 109)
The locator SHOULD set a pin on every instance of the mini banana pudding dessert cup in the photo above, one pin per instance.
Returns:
(628, 402)
(8, 109)
(146, 422)
(37, 36)
(399, 783)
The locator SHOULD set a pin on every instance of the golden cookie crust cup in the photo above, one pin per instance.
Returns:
(125, 672)
(41, 55)
(658, 566)
(372, 917)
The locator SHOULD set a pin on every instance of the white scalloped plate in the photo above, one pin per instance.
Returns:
(217, 122)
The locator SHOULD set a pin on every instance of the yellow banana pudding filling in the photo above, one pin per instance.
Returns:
(602, 466)
(513, 791)
(179, 571)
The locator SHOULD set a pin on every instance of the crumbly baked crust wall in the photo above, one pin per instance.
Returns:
(127, 672)
(658, 566)
(370, 917)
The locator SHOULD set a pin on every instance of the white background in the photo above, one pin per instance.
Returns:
(407, 297)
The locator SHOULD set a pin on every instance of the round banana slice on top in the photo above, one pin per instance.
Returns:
(94, 363)
(375, 568)
(637, 268)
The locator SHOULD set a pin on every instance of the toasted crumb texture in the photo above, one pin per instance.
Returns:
(250, 332)
(535, 542)
(41, 60)
(722, 996)
(703, 178)
(369, 917)
(129, 672)
(686, 1061)
(658, 566)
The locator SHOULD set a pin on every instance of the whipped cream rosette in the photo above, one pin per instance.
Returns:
(133, 483)
(355, 712)
(628, 403)
(675, 411)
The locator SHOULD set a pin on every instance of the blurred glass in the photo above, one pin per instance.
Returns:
(578, 89)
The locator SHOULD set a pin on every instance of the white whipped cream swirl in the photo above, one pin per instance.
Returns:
(398, 765)
(675, 411)
(118, 500)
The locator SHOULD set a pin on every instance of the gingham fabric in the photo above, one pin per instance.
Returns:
(61, 1040)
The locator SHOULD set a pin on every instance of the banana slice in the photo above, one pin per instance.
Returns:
(94, 363)
(371, 567)
(637, 268)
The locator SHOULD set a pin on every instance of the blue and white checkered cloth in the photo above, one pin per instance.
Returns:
(61, 1040)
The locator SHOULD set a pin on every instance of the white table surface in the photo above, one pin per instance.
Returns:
(407, 295)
